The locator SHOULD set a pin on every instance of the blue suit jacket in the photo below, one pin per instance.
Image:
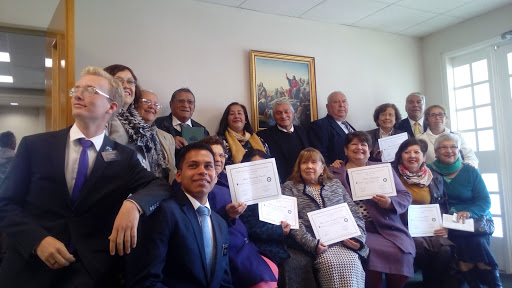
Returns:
(328, 137)
(170, 252)
(35, 203)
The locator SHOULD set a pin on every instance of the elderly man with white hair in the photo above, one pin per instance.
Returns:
(284, 139)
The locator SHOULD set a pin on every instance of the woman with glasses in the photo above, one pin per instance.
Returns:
(155, 148)
(385, 116)
(237, 133)
(435, 117)
(467, 198)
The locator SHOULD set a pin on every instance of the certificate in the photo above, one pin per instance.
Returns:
(369, 181)
(254, 182)
(449, 221)
(282, 209)
(389, 146)
(333, 224)
(424, 220)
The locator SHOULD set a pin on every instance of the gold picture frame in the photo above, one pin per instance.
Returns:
(270, 73)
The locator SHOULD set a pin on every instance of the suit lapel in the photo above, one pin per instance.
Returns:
(336, 126)
(58, 149)
(219, 248)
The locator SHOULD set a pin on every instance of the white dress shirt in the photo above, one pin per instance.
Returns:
(196, 204)
(177, 124)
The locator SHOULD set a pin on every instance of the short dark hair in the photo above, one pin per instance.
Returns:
(223, 126)
(6, 139)
(214, 140)
(382, 108)
(406, 144)
(183, 89)
(194, 146)
(253, 153)
(116, 68)
(359, 135)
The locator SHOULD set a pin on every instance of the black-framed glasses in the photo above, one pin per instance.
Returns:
(87, 91)
(149, 103)
(129, 82)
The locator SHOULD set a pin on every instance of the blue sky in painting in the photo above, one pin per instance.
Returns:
(272, 72)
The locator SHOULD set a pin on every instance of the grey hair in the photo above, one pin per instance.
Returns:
(417, 94)
(281, 101)
(329, 98)
(446, 137)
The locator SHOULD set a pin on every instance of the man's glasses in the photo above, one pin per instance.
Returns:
(87, 91)
(183, 101)
(129, 82)
(149, 103)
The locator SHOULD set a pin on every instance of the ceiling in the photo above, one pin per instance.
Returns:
(416, 18)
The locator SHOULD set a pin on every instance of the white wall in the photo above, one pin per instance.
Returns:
(465, 34)
(22, 121)
(175, 43)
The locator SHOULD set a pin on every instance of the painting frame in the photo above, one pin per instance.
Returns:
(304, 100)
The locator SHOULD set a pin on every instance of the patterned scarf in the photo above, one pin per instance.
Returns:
(446, 169)
(421, 178)
(144, 137)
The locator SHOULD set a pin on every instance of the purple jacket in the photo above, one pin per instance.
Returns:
(387, 221)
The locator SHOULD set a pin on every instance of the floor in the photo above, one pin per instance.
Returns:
(415, 282)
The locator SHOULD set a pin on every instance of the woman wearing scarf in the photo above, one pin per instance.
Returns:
(433, 254)
(237, 133)
(130, 129)
(467, 198)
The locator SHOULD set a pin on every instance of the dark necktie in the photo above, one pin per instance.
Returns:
(81, 172)
(203, 213)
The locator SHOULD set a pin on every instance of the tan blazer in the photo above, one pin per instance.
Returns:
(117, 133)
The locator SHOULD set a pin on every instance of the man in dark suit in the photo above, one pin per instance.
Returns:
(180, 246)
(284, 139)
(328, 134)
(60, 198)
(183, 104)
(414, 106)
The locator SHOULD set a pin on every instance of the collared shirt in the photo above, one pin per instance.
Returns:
(342, 126)
(383, 134)
(177, 123)
(73, 149)
(420, 121)
(284, 130)
(196, 204)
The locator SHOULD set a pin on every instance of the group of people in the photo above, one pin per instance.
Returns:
(121, 197)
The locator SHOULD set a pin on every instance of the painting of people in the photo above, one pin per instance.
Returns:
(275, 76)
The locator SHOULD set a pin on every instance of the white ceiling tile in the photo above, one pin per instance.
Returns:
(292, 8)
(435, 6)
(232, 3)
(431, 25)
(477, 7)
(388, 1)
(394, 19)
(343, 11)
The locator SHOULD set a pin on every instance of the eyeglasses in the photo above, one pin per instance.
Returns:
(453, 147)
(129, 82)
(87, 91)
(183, 101)
(149, 103)
(221, 155)
(439, 115)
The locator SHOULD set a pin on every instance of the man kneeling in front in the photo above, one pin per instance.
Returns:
(183, 243)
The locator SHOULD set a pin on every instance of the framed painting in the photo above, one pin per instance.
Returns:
(275, 76)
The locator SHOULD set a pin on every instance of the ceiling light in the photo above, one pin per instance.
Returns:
(6, 79)
(4, 57)
(48, 62)
(14, 104)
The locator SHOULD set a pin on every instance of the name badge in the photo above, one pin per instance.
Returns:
(225, 249)
(110, 156)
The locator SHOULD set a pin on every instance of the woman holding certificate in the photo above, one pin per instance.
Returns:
(467, 198)
(433, 254)
(338, 264)
(392, 248)
(385, 116)
(237, 133)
